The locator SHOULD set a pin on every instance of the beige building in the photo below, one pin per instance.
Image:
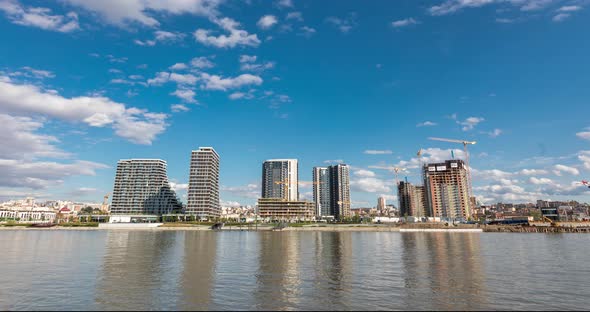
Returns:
(280, 209)
(446, 189)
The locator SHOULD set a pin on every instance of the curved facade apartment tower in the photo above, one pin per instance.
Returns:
(141, 187)
(203, 186)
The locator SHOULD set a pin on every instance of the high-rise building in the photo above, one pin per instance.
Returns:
(280, 176)
(203, 186)
(381, 203)
(339, 191)
(321, 191)
(412, 200)
(331, 191)
(141, 187)
(446, 187)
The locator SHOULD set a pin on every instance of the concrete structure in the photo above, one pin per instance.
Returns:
(141, 187)
(339, 191)
(275, 174)
(381, 203)
(203, 187)
(29, 215)
(276, 209)
(446, 188)
(412, 200)
(321, 191)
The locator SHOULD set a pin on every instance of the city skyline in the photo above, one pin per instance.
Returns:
(324, 84)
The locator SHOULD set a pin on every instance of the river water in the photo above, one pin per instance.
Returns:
(203, 270)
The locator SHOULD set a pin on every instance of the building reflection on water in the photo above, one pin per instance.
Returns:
(137, 270)
(198, 275)
(445, 269)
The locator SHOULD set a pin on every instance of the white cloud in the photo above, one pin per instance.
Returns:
(307, 31)
(177, 187)
(236, 36)
(378, 152)
(177, 108)
(161, 36)
(561, 17)
(538, 181)
(404, 22)
(364, 173)
(267, 21)
(495, 133)
(533, 172)
(370, 185)
(285, 3)
(186, 95)
(569, 8)
(248, 58)
(344, 25)
(38, 175)
(295, 16)
(559, 169)
(95, 111)
(38, 73)
(251, 190)
(178, 66)
(121, 13)
(20, 140)
(39, 17)
(452, 6)
(242, 95)
(470, 123)
(214, 82)
(164, 77)
(584, 157)
(202, 62)
(257, 67)
(426, 124)
(335, 161)
(584, 135)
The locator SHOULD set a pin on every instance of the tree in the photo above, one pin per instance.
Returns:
(86, 210)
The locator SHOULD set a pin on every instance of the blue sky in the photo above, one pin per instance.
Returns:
(86, 83)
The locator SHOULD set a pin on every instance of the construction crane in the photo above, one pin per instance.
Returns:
(285, 184)
(465, 150)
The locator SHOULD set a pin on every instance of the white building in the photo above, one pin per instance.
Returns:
(275, 174)
(203, 187)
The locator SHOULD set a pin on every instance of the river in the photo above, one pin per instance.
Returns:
(204, 270)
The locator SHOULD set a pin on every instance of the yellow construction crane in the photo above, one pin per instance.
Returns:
(286, 190)
(465, 143)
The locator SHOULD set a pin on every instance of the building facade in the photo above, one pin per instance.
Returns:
(203, 187)
(321, 191)
(280, 178)
(446, 188)
(141, 187)
(276, 209)
(412, 200)
(339, 191)
(381, 203)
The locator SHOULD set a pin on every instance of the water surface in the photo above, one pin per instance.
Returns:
(202, 270)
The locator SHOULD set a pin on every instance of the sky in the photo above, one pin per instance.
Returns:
(86, 83)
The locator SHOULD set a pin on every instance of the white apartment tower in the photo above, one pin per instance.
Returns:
(141, 187)
(321, 191)
(280, 176)
(203, 186)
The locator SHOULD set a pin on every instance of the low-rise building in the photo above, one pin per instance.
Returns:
(276, 209)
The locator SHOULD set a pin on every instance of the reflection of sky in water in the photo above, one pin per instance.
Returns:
(193, 270)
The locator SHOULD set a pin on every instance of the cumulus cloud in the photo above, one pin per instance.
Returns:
(538, 181)
(177, 108)
(186, 95)
(370, 185)
(181, 79)
(294, 16)
(343, 24)
(236, 37)
(39, 17)
(584, 157)
(495, 133)
(284, 3)
(161, 36)
(178, 66)
(470, 123)
(365, 173)
(585, 135)
(404, 22)
(426, 124)
(215, 82)
(202, 62)
(267, 21)
(453, 6)
(95, 111)
(248, 58)
(561, 17)
(560, 169)
(121, 13)
(251, 190)
(307, 31)
(20, 139)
